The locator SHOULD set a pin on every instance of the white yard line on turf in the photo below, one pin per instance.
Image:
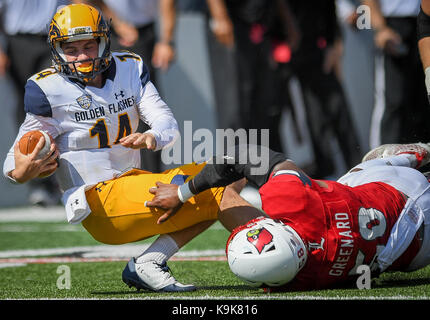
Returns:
(103, 251)
(17, 258)
(33, 214)
(12, 264)
(49, 214)
(11, 258)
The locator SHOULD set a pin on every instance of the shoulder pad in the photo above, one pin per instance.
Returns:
(124, 56)
(303, 178)
(35, 100)
(44, 74)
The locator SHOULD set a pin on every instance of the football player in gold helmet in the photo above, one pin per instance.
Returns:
(76, 27)
(91, 102)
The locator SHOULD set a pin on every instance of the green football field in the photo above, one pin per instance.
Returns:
(43, 257)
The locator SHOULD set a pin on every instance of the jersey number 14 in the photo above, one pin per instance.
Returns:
(100, 130)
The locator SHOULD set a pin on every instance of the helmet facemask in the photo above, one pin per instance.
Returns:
(60, 32)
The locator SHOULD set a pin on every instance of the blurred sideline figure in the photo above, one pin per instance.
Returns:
(23, 53)
(256, 29)
(401, 109)
(424, 41)
(248, 27)
(316, 64)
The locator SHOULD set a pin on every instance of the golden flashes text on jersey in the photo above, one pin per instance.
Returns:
(100, 111)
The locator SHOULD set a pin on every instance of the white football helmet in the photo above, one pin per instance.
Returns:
(265, 252)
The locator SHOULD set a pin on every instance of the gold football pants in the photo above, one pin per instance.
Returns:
(118, 212)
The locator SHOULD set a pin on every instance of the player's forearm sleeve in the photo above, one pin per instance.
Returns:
(237, 164)
(165, 130)
(155, 112)
(8, 166)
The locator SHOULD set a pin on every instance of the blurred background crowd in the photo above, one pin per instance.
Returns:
(331, 79)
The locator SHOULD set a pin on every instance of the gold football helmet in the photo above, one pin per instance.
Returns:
(79, 22)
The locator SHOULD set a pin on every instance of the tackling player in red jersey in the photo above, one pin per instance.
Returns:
(316, 233)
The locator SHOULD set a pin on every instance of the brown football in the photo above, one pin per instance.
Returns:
(28, 142)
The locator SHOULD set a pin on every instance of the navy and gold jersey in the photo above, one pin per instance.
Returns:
(88, 122)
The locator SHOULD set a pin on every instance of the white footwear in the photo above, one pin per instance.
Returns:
(420, 152)
(152, 276)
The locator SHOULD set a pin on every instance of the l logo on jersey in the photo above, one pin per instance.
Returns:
(85, 101)
(259, 238)
(316, 246)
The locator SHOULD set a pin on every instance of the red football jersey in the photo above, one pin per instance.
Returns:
(343, 227)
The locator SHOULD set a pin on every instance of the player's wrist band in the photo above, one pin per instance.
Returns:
(423, 25)
(184, 192)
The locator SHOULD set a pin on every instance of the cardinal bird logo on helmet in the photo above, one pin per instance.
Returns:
(259, 238)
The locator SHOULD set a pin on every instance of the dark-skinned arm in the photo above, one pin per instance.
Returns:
(220, 172)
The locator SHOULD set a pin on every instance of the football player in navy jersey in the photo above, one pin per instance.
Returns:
(90, 101)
